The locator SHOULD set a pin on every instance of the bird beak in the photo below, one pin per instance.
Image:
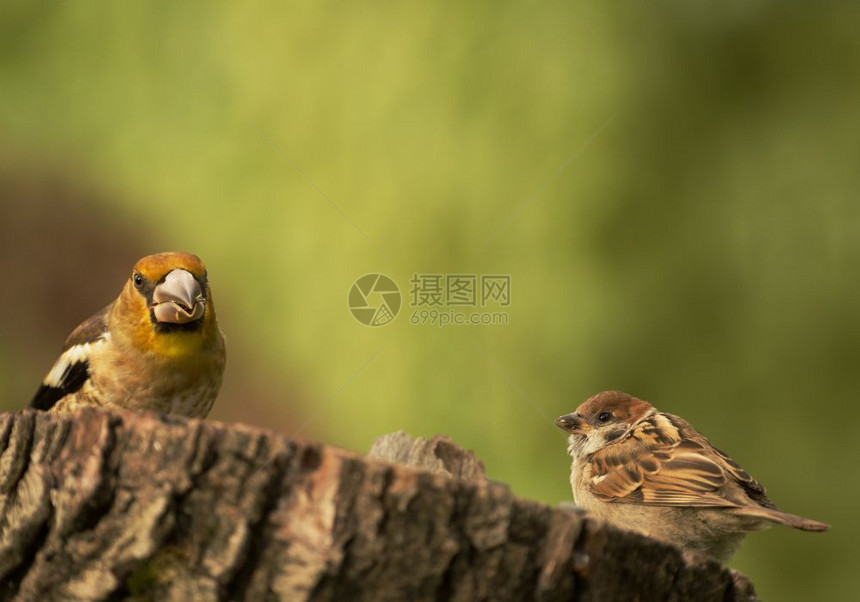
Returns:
(572, 423)
(178, 299)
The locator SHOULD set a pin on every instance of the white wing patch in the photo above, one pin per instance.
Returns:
(75, 354)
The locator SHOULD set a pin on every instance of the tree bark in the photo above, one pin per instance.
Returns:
(100, 505)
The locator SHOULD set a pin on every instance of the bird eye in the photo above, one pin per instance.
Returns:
(137, 279)
(604, 416)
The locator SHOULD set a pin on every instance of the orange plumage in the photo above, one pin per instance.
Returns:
(156, 347)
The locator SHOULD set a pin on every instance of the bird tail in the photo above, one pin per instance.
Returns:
(789, 520)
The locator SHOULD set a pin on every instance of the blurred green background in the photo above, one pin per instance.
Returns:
(675, 183)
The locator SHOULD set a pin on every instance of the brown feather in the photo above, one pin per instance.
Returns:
(684, 469)
(90, 329)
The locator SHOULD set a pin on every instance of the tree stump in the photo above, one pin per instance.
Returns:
(104, 505)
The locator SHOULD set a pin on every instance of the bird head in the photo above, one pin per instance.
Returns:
(166, 303)
(601, 420)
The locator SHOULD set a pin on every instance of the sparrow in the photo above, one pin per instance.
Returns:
(156, 347)
(652, 472)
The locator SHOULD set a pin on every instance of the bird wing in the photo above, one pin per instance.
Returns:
(663, 461)
(71, 370)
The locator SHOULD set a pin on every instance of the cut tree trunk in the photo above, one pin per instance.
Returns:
(100, 505)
